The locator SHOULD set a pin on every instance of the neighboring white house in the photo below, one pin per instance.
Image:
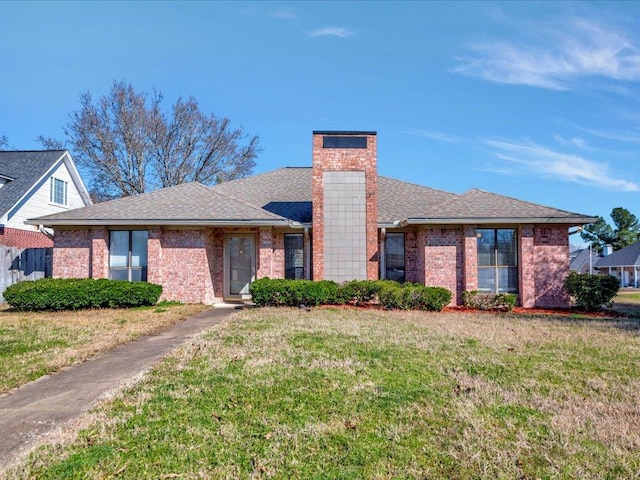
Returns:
(35, 183)
(32, 184)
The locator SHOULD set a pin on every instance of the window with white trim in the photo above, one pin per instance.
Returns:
(128, 255)
(498, 260)
(58, 191)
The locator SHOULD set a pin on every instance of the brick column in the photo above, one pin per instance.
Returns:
(265, 257)
(154, 256)
(470, 258)
(527, 267)
(99, 253)
(345, 152)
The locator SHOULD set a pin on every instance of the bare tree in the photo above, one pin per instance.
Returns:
(127, 143)
(4, 142)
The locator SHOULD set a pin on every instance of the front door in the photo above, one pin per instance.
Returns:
(241, 264)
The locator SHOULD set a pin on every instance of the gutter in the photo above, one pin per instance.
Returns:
(158, 221)
(496, 220)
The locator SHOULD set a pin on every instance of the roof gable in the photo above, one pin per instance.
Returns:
(25, 169)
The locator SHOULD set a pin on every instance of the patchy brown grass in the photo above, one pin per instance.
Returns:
(345, 393)
(33, 344)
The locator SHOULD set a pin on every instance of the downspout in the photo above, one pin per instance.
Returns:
(383, 266)
(307, 254)
(45, 231)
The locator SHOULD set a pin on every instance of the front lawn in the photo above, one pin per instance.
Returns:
(35, 344)
(340, 393)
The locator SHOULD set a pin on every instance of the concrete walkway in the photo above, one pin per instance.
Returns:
(31, 413)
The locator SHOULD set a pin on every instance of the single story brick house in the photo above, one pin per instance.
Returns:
(336, 220)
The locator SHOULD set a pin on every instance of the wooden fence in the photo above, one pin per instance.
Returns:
(17, 264)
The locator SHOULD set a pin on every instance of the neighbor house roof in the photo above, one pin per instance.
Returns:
(23, 169)
(284, 196)
(625, 257)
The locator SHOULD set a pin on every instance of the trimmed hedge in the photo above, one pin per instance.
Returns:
(391, 295)
(413, 296)
(489, 301)
(80, 293)
(292, 293)
(592, 291)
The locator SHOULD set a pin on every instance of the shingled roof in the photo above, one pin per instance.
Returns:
(625, 257)
(479, 206)
(284, 196)
(189, 203)
(23, 169)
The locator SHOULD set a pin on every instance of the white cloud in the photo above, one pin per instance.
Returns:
(544, 162)
(571, 142)
(435, 135)
(331, 32)
(556, 59)
(630, 137)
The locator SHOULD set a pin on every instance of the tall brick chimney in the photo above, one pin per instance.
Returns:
(345, 206)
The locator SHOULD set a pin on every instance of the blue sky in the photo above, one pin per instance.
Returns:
(538, 101)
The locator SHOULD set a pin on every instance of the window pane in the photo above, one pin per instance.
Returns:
(507, 280)
(119, 274)
(487, 279)
(138, 274)
(294, 256)
(486, 247)
(118, 248)
(394, 257)
(58, 192)
(139, 248)
(507, 252)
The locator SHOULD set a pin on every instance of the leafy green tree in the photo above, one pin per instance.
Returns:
(626, 231)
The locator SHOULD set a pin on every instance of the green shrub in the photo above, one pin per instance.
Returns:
(80, 293)
(279, 292)
(489, 301)
(413, 296)
(392, 295)
(591, 291)
(359, 292)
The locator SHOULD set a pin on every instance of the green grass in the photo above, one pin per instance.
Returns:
(36, 344)
(339, 393)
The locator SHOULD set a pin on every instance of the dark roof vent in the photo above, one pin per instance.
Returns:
(344, 142)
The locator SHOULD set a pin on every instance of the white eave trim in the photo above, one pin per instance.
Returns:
(158, 221)
(497, 220)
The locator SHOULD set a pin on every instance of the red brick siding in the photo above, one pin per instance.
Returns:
(265, 253)
(345, 159)
(277, 259)
(526, 267)
(443, 254)
(99, 253)
(551, 266)
(414, 257)
(14, 237)
(155, 271)
(470, 259)
(186, 265)
(72, 254)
